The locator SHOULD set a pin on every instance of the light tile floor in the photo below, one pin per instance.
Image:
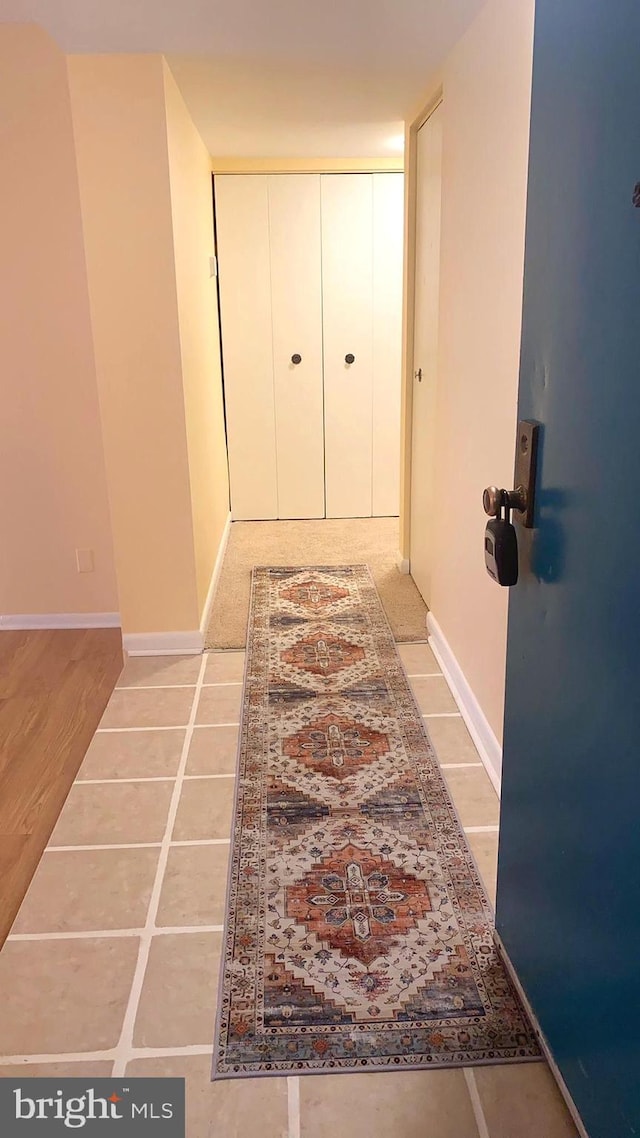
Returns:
(112, 963)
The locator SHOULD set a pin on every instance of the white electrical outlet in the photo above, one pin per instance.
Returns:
(84, 560)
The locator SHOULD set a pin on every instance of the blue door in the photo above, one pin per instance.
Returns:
(568, 909)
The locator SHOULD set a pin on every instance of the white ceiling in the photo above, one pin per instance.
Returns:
(294, 78)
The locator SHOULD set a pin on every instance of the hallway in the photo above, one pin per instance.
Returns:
(111, 965)
(324, 262)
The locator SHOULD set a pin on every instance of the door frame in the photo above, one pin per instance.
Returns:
(412, 127)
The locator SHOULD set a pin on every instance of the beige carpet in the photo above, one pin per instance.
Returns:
(371, 541)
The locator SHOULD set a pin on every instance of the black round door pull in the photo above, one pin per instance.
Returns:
(296, 358)
(349, 358)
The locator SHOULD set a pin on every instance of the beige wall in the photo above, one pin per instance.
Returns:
(487, 86)
(53, 496)
(192, 214)
(121, 139)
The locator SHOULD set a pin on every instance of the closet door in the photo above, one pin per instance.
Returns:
(242, 217)
(388, 232)
(296, 290)
(347, 290)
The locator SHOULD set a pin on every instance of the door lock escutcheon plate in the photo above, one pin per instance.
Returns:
(522, 501)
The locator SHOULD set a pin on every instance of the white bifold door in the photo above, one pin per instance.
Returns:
(310, 273)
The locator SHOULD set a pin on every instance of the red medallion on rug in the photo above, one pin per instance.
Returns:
(358, 903)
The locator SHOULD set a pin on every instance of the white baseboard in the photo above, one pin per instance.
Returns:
(215, 577)
(555, 1070)
(163, 643)
(189, 643)
(25, 622)
(403, 565)
(477, 723)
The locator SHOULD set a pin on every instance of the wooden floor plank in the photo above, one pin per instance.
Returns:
(54, 687)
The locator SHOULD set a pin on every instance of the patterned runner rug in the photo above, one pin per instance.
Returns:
(358, 933)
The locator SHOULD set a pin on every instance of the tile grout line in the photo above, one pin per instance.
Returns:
(422, 675)
(137, 845)
(172, 727)
(110, 781)
(125, 1043)
(180, 687)
(476, 1103)
(145, 778)
(441, 715)
(481, 829)
(458, 766)
(104, 846)
(201, 842)
(195, 777)
(153, 687)
(167, 1052)
(118, 730)
(108, 1055)
(113, 934)
(106, 934)
(293, 1105)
